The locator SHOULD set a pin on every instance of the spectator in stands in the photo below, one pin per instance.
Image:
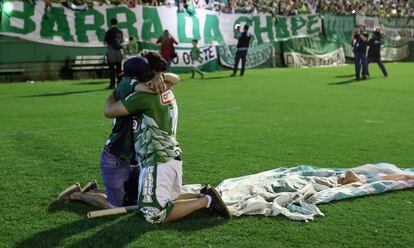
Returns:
(386, 8)
(132, 3)
(167, 50)
(155, 2)
(180, 5)
(374, 54)
(113, 41)
(242, 48)
(169, 3)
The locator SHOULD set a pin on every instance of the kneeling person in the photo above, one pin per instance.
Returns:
(118, 169)
(160, 198)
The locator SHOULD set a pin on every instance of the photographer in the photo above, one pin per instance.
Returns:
(359, 43)
(242, 48)
(374, 51)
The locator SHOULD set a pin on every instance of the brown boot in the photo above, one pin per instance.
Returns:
(64, 195)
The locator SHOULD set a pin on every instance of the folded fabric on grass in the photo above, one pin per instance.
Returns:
(295, 192)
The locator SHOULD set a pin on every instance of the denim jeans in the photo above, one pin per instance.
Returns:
(120, 180)
(240, 55)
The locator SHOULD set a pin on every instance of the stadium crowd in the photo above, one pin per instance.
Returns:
(401, 8)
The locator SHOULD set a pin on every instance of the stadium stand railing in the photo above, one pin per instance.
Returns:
(89, 63)
(10, 72)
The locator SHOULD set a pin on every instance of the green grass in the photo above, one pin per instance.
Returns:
(52, 133)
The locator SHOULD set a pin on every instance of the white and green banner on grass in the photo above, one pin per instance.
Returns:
(257, 55)
(59, 25)
(314, 51)
(398, 33)
(339, 29)
(183, 60)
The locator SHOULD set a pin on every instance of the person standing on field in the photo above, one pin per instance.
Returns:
(113, 40)
(242, 49)
(196, 59)
(132, 48)
(359, 43)
(167, 50)
(374, 51)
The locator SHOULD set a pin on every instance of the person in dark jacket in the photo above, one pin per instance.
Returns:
(359, 44)
(113, 39)
(242, 48)
(374, 51)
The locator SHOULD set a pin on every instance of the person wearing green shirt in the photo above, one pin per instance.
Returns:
(131, 49)
(118, 166)
(160, 199)
(196, 59)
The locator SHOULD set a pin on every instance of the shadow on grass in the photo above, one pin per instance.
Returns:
(350, 81)
(345, 76)
(65, 93)
(92, 83)
(73, 207)
(206, 78)
(216, 77)
(113, 231)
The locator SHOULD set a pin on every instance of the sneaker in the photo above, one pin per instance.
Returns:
(64, 195)
(90, 186)
(217, 203)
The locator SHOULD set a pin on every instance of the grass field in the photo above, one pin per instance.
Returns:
(52, 133)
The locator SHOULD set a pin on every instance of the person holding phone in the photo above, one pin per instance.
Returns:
(359, 44)
(242, 48)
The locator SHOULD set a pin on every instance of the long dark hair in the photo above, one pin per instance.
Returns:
(156, 62)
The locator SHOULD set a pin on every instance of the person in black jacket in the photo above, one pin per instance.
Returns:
(242, 48)
(359, 43)
(374, 51)
(113, 40)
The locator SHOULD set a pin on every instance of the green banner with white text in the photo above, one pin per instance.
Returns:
(59, 25)
(313, 51)
(339, 29)
(182, 62)
(258, 55)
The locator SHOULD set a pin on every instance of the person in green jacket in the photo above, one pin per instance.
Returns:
(196, 59)
(131, 49)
